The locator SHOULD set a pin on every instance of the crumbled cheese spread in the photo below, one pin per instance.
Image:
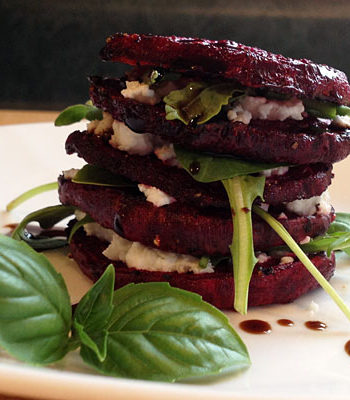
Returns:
(262, 258)
(286, 260)
(136, 255)
(125, 139)
(70, 173)
(155, 195)
(274, 171)
(140, 92)
(166, 153)
(98, 127)
(250, 107)
(306, 239)
(317, 204)
(313, 307)
(342, 120)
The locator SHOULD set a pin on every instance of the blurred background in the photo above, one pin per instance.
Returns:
(48, 48)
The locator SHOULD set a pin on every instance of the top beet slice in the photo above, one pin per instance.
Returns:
(249, 66)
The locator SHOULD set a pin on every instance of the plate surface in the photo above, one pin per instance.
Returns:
(290, 363)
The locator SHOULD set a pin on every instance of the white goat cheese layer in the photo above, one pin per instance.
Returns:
(140, 92)
(317, 204)
(136, 255)
(251, 107)
(155, 196)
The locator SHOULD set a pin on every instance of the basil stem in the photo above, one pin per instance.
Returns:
(31, 193)
(290, 242)
(242, 191)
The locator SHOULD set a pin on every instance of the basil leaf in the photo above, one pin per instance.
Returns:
(207, 168)
(242, 191)
(157, 332)
(78, 112)
(92, 314)
(199, 102)
(35, 311)
(290, 242)
(93, 175)
(31, 193)
(47, 218)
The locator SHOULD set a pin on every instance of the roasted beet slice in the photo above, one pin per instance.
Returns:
(281, 283)
(249, 66)
(178, 228)
(300, 182)
(293, 142)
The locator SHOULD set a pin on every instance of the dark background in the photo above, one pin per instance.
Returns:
(49, 47)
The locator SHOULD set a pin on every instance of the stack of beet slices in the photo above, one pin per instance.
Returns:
(167, 226)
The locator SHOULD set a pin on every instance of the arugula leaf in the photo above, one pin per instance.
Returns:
(162, 333)
(93, 175)
(47, 218)
(290, 242)
(341, 223)
(325, 109)
(92, 314)
(31, 193)
(207, 168)
(35, 311)
(199, 102)
(78, 112)
(242, 191)
(86, 220)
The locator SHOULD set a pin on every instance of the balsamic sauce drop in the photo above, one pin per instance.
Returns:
(118, 227)
(255, 326)
(316, 325)
(347, 347)
(194, 167)
(285, 322)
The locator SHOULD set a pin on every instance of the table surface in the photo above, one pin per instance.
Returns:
(23, 117)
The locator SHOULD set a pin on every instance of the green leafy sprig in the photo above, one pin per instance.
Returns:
(46, 217)
(199, 102)
(76, 113)
(146, 331)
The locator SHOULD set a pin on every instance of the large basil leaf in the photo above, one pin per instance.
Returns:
(78, 112)
(161, 333)
(91, 316)
(94, 175)
(47, 218)
(199, 102)
(206, 168)
(242, 191)
(35, 311)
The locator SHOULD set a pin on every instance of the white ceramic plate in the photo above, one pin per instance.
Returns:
(290, 363)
